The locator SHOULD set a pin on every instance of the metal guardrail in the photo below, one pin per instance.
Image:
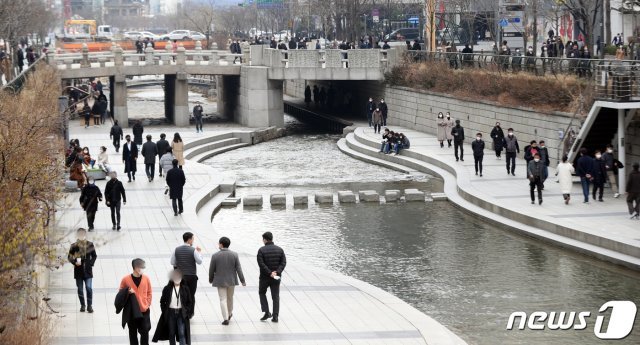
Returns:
(16, 84)
(618, 81)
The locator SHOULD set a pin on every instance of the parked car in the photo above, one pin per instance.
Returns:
(402, 35)
(177, 35)
(132, 35)
(148, 34)
(198, 36)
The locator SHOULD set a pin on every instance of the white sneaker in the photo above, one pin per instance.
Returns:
(616, 195)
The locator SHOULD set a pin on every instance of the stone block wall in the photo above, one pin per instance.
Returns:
(633, 143)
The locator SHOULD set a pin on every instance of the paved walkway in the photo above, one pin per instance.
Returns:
(608, 220)
(318, 307)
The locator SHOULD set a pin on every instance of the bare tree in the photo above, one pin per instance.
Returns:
(200, 16)
(586, 14)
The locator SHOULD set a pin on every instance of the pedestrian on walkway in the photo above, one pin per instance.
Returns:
(139, 285)
(197, 115)
(371, 106)
(224, 271)
(512, 149)
(149, 152)
(535, 171)
(178, 149)
(185, 258)
(115, 196)
(137, 132)
(129, 158)
(458, 139)
(544, 157)
(529, 152)
(610, 160)
(585, 171)
(166, 162)
(271, 261)
(86, 112)
(89, 200)
(385, 111)
(565, 173)
(377, 120)
(82, 255)
(633, 191)
(442, 129)
(176, 180)
(449, 123)
(599, 176)
(177, 309)
(163, 146)
(498, 139)
(477, 146)
(116, 135)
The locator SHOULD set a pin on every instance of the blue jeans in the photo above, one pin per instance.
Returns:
(176, 327)
(397, 148)
(385, 148)
(370, 118)
(585, 188)
(88, 283)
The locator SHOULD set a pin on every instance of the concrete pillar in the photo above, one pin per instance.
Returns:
(85, 56)
(621, 151)
(119, 100)
(181, 100)
(261, 102)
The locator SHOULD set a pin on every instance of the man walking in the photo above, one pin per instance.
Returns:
(224, 271)
(197, 115)
(535, 171)
(609, 163)
(512, 149)
(371, 106)
(139, 285)
(585, 171)
(385, 111)
(458, 139)
(82, 255)
(149, 152)
(162, 145)
(477, 146)
(185, 258)
(175, 181)
(114, 194)
(89, 200)
(271, 261)
(129, 157)
(633, 191)
(116, 135)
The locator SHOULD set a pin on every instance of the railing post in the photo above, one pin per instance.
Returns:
(181, 58)
(198, 56)
(149, 56)
(169, 48)
(117, 57)
(214, 59)
(85, 56)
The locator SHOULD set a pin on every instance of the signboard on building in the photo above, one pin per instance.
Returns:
(375, 15)
(512, 25)
(268, 4)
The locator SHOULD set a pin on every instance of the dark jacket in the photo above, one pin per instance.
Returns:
(137, 133)
(116, 132)
(162, 329)
(271, 258)
(197, 112)
(149, 152)
(599, 171)
(608, 160)
(633, 183)
(458, 133)
(128, 304)
(544, 155)
(529, 152)
(162, 146)
(87, 260)
(498, 138)
(383, 108)
(175, 181)
(90, 197)
(114, 192)
(584, 166)
(370, 107)
(535, 169)
(477, 146)
(511, 144)
(129, 157)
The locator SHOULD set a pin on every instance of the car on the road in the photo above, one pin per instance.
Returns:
(177, 35)
(197, 36)
(132, 35)
(149, 34)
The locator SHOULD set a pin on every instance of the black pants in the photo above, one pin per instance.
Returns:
(192, 283)
(458, 145)
(198, 124)
(116, 143)
(274, 285)
(598, 186)
(142, 326)
(376, 128)
(160, 168)
(477, 160)
(149, 168)
(91, 217)
(537, 182)
(87, 121)
(498, 150)
(176, 327)
(115, 213)
(511, 162)
(177, 205)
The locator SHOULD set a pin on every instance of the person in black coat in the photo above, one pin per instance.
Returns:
(149, 152)
(316, 96)
(385, 111)
(114, 195)
(271, 261)
(307, 95)
(175, 181)
(584, 169)
(137, 132)
(162, 145)
(89, 200)
(458, 139)
(477, 146)
(371, 106)
(129, 157)
(116, 135)
(599, 175)
(82, 255)
(498, 139)
(20, 59)
(177, 309)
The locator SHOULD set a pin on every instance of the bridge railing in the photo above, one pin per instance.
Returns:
(327, 58)
(618, 81)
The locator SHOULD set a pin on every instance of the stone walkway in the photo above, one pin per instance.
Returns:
(606, 223)
(317, 307)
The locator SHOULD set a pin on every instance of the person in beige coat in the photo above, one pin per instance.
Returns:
(442, 129)
(224, 271)
(177, 146)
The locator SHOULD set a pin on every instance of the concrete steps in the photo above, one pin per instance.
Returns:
(213, 152)
(351, 147)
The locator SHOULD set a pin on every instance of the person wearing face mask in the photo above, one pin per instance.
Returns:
(116, 135)
(114, 194)
(535, 169)
(498, 139)
(565, 173)
(224, 271)
(530, 60)
(442, 129)
(599, 176)
(516, 61)
(449, 123)
(544, 157)
(82, 255)
(530, 151)
(177, 310)
(584, 169)
(512, 149)
(385, 111)
(185, 258)
(377, 120)
(129, 157)
(458, 139)
(89, 200)
(371, 106)
(584, 62)
(609, 162)
(477, 146)
(139, 285)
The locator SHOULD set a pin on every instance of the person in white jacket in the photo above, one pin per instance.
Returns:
(565, 173)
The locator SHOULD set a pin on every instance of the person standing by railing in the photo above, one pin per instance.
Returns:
(530, 60)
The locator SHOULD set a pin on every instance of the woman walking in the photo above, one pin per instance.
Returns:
(177, 146)
(498, 139)
(449, 123)
(377, 120)
(177, 309)
(442, 129)
(565, 173)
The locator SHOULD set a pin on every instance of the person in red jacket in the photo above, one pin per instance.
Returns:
(140, 286)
